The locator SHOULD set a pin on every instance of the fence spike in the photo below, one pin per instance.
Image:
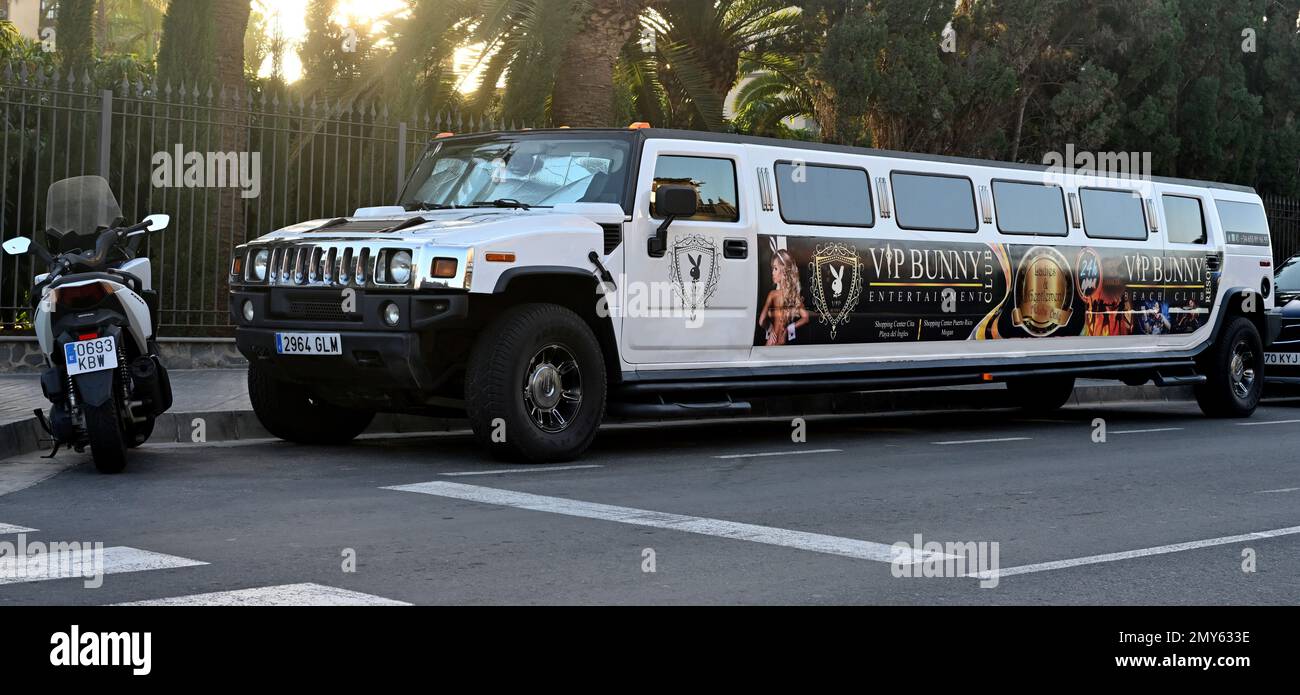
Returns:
(9, 71)
(86, 82)
(126, 86)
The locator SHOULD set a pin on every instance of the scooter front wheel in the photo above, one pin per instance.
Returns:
(107, 442)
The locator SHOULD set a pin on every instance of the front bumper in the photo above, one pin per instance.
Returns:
(378, 361)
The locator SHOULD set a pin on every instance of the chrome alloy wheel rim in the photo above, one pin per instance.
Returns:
(552, 388)
(1241, 369)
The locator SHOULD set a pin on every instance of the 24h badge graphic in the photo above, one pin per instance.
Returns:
(834, 295)
(694, 272)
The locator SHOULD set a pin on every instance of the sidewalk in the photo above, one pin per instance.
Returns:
(220, 398)
(193, 390)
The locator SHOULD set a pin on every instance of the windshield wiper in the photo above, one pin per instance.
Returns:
(501, 203)
(421, 205)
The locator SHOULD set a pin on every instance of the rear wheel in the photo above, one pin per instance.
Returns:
(1041, 393)
(535, 386)
(107, 441)
(1234, 371)
(289, 411)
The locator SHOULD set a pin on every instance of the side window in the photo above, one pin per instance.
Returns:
(1243, 223)
(1113, 214)
(1029, 208)
(1184, 218)
(824, 194)
(714, 180)
(933, 202)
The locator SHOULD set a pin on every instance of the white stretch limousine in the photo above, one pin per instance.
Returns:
(533, 279)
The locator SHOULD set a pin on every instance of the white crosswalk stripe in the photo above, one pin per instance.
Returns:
(82, 563)
(789, 538)
(306, 594)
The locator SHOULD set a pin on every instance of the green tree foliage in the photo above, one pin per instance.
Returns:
(76, 35)
(185, 55)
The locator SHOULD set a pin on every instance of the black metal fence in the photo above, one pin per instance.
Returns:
(226, 166)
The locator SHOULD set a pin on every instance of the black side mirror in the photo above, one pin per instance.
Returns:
(671, 201)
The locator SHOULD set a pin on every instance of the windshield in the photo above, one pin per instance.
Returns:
(80, 206)
(532, 170)
(1288, 276)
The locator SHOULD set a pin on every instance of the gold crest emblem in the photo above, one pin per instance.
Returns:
(1044, 292)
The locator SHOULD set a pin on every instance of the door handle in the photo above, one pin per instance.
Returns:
(735, 248)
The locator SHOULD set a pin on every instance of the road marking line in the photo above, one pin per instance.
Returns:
(526, 470)
(983, 441)
(778, 453)
(1284, 489)
(1153, 429)
(1267, 422)
(1130, 554)
(6, 529)
(117, 560)
(306, 594)
(801, 540)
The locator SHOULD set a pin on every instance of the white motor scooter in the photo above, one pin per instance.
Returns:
(94, 320)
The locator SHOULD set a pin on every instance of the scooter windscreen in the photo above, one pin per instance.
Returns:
(76, 209)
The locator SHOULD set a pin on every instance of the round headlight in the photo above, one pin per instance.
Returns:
(399, 267)
(248, 311)
(260, 261)
(392, 314)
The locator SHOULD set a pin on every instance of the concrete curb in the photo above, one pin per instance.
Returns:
(23, 436)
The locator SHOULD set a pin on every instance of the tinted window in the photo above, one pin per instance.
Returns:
(942, 203)
(1029, 208)
(714, 181)
(1113, 214)
(1184, 219)
(1243, 223)
(813, 194)
(1288, 276)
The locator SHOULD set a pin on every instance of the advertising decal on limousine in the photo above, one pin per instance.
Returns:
(534, 280)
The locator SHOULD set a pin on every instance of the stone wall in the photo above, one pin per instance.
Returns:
(22, 355)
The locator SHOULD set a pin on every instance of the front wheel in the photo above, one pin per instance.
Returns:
(107, 441)
(535, 385)
(1234, 371)
(289, 411)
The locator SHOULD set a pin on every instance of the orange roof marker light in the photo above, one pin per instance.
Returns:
(443, 135)
(638, 125)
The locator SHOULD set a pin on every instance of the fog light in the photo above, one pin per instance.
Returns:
(248, 310)
(391, 314)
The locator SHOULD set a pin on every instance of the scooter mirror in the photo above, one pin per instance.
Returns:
(157, 223)
(17, 246)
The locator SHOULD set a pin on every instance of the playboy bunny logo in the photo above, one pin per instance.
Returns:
(837, 285)
(695, 267)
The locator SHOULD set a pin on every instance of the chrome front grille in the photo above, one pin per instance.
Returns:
(336, 264)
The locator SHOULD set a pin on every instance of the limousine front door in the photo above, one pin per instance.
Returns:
(693, 302)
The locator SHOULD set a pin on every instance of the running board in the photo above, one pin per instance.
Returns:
(1179, 380)
(653, 410)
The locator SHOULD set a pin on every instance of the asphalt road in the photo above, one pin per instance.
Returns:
(1161, 512)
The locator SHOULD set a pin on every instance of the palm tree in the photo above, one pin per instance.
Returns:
(773, 94)
(76, 37)
(585, 94)
(700, 45)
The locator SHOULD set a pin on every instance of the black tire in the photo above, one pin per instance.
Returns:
(290, 412)
(138, 433)
(1041, 394)
(522, 372)
(1234, 371)
(107, 441)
